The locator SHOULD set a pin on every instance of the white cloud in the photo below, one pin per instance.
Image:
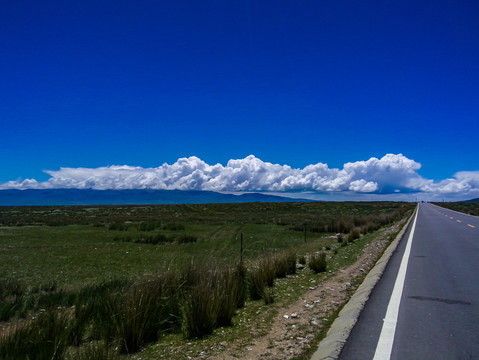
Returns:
(393, 173)
(363, 186)
(463, 182)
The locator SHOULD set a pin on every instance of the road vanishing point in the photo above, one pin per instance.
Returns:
(426, 303)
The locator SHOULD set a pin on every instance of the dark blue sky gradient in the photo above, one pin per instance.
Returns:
(96, 83)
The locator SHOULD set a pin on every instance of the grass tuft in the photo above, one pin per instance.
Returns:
(44, 338)
(317, 262)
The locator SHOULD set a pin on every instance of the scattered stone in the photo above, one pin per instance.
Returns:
(294, 316)
(348, 284)
(286, 316)
(299, 266)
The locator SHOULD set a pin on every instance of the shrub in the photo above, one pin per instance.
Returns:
(241, 279)
(317, 262)
(210, 297)
(11, 306)
(268, 296)
(267, 269)
(10, 287)
(160, 239)
(12, 297)
(148, 226)
(49, 286)
(122, 238)
(281, 266)
(257, 284)
(78, 324)
(291, 260)
(266, 265)
(44, 338)
(138, 316)
(91, 307)
(184, 239)
(354, 234)
(174, 227)
(339, 237)
(302, 259)
(231, 292)
(200, 303)
(118, 226)
(284, 263)
(199, 312)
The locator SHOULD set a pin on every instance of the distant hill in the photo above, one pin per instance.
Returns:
(127, 197)
(472, 200)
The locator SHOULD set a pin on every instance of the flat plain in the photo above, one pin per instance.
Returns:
(49, 255)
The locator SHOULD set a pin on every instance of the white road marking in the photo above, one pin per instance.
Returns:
(386, 339)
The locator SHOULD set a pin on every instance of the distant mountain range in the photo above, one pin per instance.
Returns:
(472, 200)
(127, 197)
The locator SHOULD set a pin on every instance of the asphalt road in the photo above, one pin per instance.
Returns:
(437, 313)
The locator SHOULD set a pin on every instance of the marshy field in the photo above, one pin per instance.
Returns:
(169, 281)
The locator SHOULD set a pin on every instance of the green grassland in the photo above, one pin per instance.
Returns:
(96, 259)
(74, 255)
(471, 208)
(78, 247)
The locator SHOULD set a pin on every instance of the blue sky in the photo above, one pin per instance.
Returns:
(92, 84)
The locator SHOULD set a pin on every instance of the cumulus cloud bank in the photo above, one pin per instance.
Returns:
(392, 173)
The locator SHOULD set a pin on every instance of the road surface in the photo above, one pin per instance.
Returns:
(426, 305)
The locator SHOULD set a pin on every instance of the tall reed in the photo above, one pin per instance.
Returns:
(138, 315)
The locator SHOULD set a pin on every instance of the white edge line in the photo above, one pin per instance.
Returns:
(386, 339)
